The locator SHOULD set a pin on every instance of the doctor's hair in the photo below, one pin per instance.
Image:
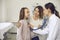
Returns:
(52, 8)
(22, 13)
(40, 11)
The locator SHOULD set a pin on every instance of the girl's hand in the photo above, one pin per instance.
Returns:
(31, 25)
(18, 24)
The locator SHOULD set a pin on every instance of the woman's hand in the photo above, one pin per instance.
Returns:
(39, 26)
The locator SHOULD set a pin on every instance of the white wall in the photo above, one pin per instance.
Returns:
(12, 7)
(2, 11)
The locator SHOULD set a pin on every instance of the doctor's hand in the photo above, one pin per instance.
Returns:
(37, 31)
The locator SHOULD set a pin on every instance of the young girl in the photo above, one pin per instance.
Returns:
(23, 31)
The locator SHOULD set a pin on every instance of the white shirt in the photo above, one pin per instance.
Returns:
(51, 28)
(36, 23)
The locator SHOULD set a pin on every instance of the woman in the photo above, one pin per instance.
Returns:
(36, 19)
(23, 31)
(52, 26)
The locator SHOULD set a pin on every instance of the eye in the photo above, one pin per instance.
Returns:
(27, 11)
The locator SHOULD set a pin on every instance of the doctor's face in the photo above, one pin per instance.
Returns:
(45, 12)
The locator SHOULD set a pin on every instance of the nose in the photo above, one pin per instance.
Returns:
(28, 14)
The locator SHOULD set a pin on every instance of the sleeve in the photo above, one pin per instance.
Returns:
(42, 32)
(19, 32)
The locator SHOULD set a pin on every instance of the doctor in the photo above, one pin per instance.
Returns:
(52, 26)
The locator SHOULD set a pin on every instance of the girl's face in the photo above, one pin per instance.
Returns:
(46, 12)
(26, 13)
(36, 12)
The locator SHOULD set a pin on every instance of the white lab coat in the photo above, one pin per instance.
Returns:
(51, 28)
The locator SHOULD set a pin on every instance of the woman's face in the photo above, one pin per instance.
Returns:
(26, 13)
(46, 12)
(36, 12)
